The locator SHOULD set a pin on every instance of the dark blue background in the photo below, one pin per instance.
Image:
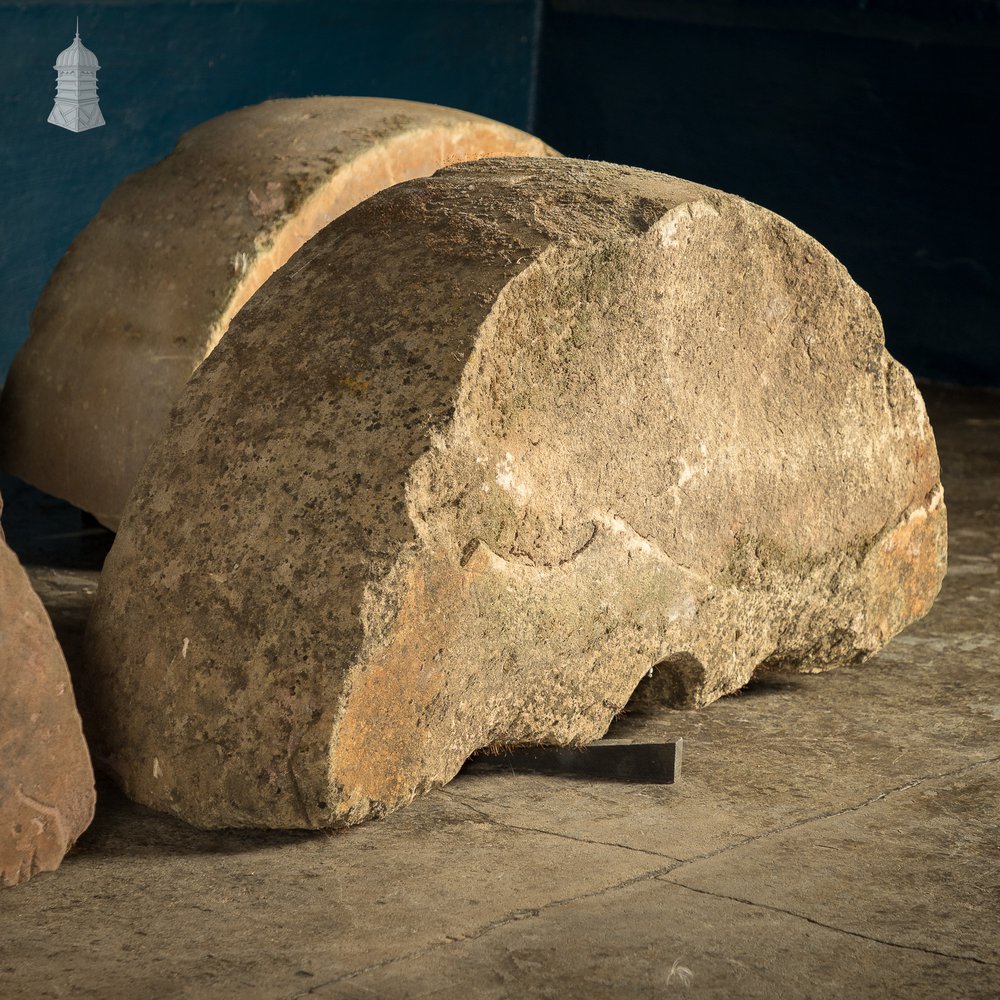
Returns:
(168, 66)
(869, 123)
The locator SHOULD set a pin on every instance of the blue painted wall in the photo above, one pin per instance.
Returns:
(168, 66)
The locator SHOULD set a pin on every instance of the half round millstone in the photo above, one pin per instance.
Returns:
(486, 450)
(151, 285)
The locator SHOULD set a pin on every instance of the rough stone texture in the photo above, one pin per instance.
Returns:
(881, 781)
(46, 781)
(488, 449)
(150, 286)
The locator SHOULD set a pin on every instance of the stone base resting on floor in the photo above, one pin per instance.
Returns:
(485, 452)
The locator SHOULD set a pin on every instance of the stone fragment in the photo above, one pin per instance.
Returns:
(487, 451)
(149, 287)
(46, 781)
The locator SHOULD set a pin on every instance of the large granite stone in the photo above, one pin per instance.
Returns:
(46, 781)
(146, 291)
(487, 451)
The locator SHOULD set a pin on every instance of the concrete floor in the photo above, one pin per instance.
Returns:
(831, 836)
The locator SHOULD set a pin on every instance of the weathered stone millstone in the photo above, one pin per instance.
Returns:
(46, 781)
(487, 450)
(149, 287)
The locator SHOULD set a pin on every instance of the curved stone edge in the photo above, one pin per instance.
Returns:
(47, 795)
(67, 426)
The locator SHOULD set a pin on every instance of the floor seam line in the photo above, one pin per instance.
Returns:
(807, 820)
(667, 880)
(553, 833)
(514, 916)
(656, 874)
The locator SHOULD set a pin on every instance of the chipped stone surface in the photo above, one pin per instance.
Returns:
(46, 781)
(486, 451)
(146, 291)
